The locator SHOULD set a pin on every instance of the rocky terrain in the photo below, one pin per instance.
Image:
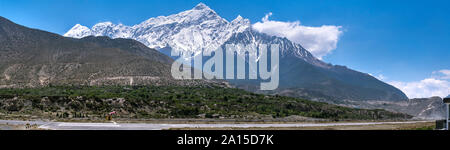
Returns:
(422, 108)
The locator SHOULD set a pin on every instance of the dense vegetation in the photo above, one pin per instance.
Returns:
(170, 102)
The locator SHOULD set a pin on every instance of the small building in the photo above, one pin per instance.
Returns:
(447, 102)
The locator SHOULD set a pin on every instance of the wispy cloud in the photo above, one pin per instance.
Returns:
(320, 41)
(436, 85)
(442, 74)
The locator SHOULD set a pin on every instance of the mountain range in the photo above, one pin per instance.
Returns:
(33, 58)
(202, 29)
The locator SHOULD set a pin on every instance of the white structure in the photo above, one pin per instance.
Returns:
(447, 102)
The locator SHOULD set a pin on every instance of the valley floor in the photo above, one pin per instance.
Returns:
(49, 125)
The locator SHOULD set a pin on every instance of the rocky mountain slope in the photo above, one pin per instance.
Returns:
(303, 75)
(422, 108)
(30, 58)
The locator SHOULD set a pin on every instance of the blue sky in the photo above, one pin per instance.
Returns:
(401, 41)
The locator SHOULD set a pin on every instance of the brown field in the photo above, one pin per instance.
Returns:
(413, 126)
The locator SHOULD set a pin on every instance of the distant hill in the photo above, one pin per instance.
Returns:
(423, 108)
(30, 58)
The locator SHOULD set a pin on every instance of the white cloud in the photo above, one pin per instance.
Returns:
(444, 74)
(320, 41)
(437, 85)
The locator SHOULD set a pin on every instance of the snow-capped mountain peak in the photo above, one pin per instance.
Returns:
(194, 30)
(241, 21)
(197, 29)
(102, 25)
(238, 18)
(78, 31)
(199, 13)
(201, 6)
